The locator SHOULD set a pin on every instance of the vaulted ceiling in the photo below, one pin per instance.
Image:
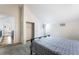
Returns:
(55, 13)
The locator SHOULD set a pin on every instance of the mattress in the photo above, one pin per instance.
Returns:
(55, 46)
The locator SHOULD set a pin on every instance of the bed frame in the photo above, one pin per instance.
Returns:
(45, 36)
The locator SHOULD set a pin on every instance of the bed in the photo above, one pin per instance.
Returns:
(55, 46)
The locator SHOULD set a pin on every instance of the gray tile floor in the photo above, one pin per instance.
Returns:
(16, 50)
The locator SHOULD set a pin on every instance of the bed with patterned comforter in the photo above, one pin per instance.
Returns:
(55, 46)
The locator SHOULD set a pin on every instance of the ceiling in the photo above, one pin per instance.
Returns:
(55, 13)
(3, 15)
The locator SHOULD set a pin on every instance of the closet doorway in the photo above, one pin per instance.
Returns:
(29, 30)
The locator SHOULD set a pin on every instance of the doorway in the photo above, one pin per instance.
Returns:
(29, 30)
(7, 30)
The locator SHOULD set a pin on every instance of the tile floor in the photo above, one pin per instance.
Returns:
(16, 50)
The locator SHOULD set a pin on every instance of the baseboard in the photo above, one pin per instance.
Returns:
(14, 44)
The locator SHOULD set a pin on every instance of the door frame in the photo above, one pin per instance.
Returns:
(33, 28)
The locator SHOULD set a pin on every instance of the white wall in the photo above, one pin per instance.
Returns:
(54, 15)
(70, 30)
(30, 17)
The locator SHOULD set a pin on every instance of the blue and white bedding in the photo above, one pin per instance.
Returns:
(60, 46)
